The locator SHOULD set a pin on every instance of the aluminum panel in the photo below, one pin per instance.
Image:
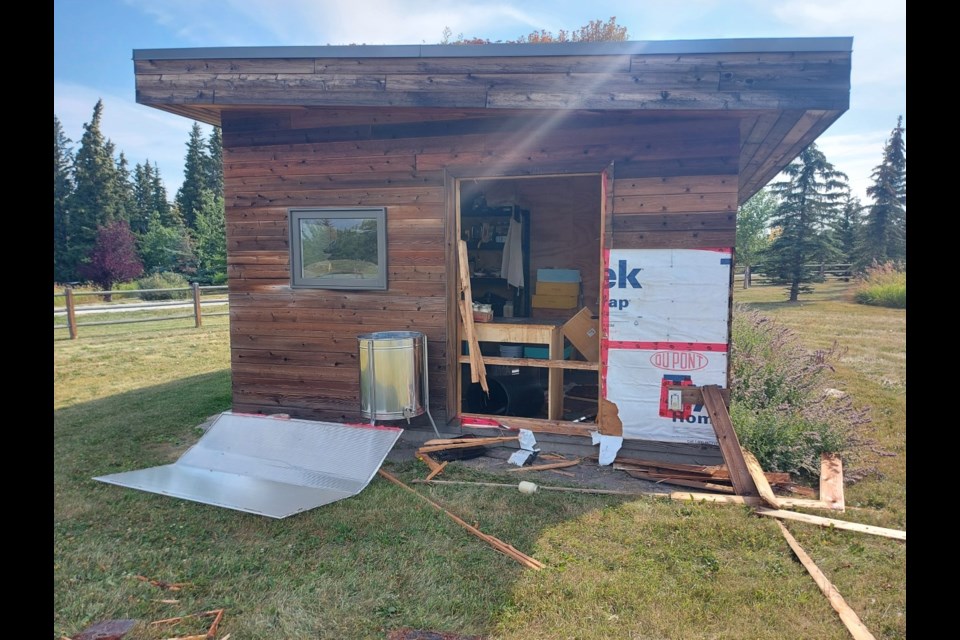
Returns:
(269, 466)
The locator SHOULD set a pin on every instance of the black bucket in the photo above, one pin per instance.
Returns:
(520, 396)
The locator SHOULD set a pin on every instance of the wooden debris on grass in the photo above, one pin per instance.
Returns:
(162, 584)
(464, 443)
(611, 492)
(780, 514)
(493, 541)
(547, 467)
(740, 475)
(437, 471)
(211, 632)
(849, 617)
(831, 480)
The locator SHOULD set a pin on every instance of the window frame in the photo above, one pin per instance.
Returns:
(299, 281)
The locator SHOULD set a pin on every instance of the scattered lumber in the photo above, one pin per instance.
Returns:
(748, 500)
(849, 617)
(437, 471)
(494, 542)
(740, 475)
(478, 371)
(896, 534)
(611, 492)
(760, 480)
(548, 466)
(464, 443)
(831, 480)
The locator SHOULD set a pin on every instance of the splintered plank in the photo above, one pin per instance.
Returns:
(849, 617)
(740, 475)
(820, 521)
(493, 541)
(760, 480)
(831, 480)
(478, 372)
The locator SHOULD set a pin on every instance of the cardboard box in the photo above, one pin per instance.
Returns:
(558, 288)
(554, 302)
(583, 330)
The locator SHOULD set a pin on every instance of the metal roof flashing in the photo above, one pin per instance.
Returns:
(673, 47)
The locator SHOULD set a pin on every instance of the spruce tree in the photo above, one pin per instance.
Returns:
(848, 228)
(214, 170)
(211, 240)
(884, 236)
(169, 215)
(94, 203)
(809, 204)
(143, 198)
(63, 269)
(195, 169)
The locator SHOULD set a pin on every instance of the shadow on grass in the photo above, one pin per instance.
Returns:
(351, 569)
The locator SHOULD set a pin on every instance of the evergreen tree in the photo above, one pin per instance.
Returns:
(194, 177)
(809, 203)
(848, 228)
(885, 229)
(63, 269)
(752, 220)
(123, 187)
(142, 198)
(94, 203)
(169, 215)
(211, 240)
(214, 162)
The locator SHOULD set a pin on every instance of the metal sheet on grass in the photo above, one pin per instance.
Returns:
(269, 466)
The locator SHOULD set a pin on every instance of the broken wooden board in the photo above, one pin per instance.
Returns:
(437, 471)
(752, 501)
(759, 479)
(831, 480)
(548, 466)
(849, 617)
(478, 371)
(896, 534)
(740, 475)
(493, 541)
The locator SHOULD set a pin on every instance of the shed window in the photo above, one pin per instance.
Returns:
(338, 248)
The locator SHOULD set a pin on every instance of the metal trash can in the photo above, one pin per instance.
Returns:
(393, 375)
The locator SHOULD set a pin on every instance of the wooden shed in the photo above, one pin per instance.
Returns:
(599, 176)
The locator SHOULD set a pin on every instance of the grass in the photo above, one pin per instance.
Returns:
(131, 396)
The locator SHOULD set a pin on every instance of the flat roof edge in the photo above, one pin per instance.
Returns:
(689, 47)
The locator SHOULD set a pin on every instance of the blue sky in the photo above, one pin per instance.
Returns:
(94, 41)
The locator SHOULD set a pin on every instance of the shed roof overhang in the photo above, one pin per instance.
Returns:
(784, 91)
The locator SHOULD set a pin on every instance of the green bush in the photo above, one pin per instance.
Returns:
(883, 285)
(164, 280)
(781, 406)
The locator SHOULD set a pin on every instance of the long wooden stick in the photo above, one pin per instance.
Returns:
(494, 542)
(849, 617)
(740, 475)
(545, 467)
(437, 471)
(478, 371)
(896, 534)
(748, 500)
(611, 492)
(759, 479)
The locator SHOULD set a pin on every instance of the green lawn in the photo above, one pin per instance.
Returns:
(131, 396)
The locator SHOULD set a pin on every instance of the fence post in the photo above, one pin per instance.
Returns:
(71, 317)
(196, 305)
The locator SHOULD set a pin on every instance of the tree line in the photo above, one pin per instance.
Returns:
(811, 217)
(111, 224)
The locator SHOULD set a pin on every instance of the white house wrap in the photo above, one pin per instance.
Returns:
(665, 321)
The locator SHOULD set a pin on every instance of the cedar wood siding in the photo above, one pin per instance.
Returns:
(295, 350)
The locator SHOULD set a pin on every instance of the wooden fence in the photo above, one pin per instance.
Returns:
(760, 276)
(71, 309)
